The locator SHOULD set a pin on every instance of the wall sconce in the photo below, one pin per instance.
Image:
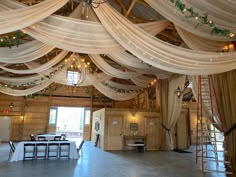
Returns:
(133, 117)
(178, 92)
(11, 105)
(26, 106)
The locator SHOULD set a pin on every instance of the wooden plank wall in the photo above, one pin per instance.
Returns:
(35, 112)
(148, 124)
(99, 117)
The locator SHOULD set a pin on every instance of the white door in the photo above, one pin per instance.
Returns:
(5, 128)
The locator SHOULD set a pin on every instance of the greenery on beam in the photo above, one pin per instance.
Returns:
(120, 90)
(202, 20)
(32, 83)
(10, 40)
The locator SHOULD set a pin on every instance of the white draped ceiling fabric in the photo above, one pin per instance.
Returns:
(114, 94)
(115, 35)
(160, 54)
(110, 70)
(41, 68)
(25, 52)
(198, 43)
(12, 20)
(220, 16)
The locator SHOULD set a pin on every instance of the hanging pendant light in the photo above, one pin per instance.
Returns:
(76, 70)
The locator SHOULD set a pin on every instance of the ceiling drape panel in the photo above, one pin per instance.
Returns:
(40, 68)
(161, 54)
(167, 9)
(198, 43)
(24, 53)
(74, 35)
(29, 91)
(19, 80)
(60, 77)
(23, 16)
(142, 81)
(81, 35)
(220, 13)
(122, 86)
(138, 65)
(113, 94)
(111, 71)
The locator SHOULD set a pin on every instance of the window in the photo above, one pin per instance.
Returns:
(87, 117)
(72, 77)
(53, 116)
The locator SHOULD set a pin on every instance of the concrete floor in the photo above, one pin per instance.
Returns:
(95, 162)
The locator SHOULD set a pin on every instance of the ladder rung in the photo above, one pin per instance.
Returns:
(216, 171)
(212, 150)
(221, 161)
(212, 142)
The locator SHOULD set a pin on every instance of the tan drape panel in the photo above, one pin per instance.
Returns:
(170, 108)
(225, 85)
(164, 89)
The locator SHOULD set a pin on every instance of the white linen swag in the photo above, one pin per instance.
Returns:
(198, 43)
(160, 54)
(153, 52)
(113, 94)
(110, 70)
(41, 68)
(25, 52)
(221, 12)
(22, 16)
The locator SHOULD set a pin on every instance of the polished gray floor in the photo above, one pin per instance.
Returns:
(95, 162)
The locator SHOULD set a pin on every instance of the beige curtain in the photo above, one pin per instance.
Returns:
(170, 107)
(225, 85)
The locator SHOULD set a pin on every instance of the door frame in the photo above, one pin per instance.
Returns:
(10, 128)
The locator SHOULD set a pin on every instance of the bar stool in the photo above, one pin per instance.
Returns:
(64, 150)
(29, 151)
(41, 151)
(53, 150)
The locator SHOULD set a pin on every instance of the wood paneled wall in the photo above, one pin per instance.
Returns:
(115, 124)
(35, 112)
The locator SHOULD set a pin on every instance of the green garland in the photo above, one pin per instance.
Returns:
(202, 20)
(120, 90)
(33, 83)
(231, 129)
(11, 40)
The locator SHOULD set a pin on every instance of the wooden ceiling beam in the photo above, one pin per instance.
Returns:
(130, 8)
